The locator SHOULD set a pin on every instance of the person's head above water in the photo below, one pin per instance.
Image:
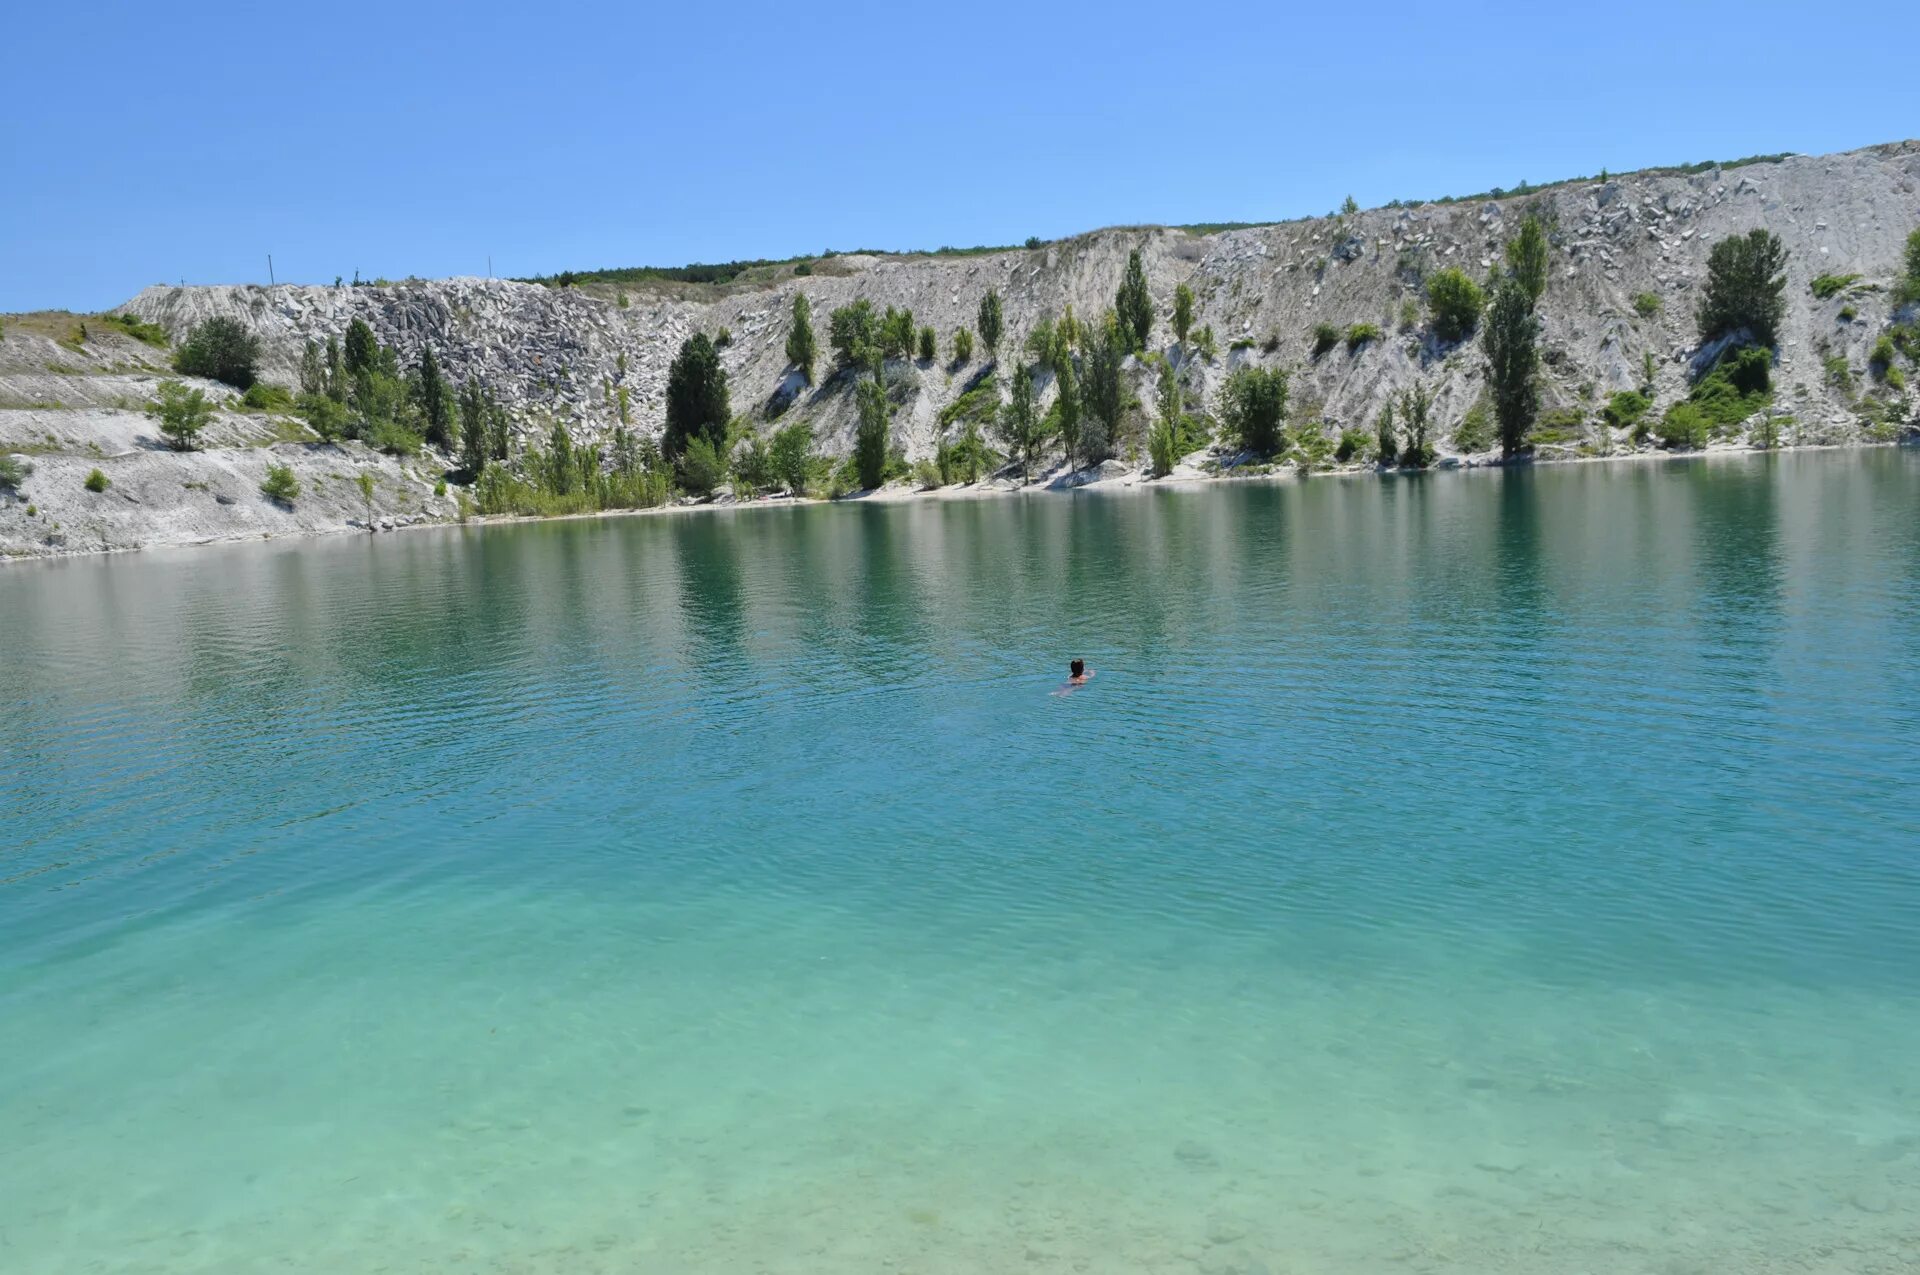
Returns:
(1078, 668)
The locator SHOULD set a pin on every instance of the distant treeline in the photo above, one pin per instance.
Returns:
(728, 271)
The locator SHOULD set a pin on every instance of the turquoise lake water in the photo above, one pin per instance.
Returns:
(1464, 873)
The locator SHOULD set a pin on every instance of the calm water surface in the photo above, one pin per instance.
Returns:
(1469, 873)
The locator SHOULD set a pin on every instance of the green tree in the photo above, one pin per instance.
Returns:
(870, 436)
(1910, 287)
(696, 397)
(1746, 286)
(1456, 302)
(1020, 423)
(364, 481)
(1134, 305)
(280, 486)
(854, 332)
(896, 334)
(473, 429)
(791, 457)
(220, 349)
(325, 416)
(313, 376)
(499, 428)
(1527, 258)
(962, 346)
(1163, 443)
(700, 467)
(1066, 408)
(1104, 391)
(560, 467)
(929, 344)
(336, 374)
(801, 348)
(1182, 312)
(361, 348)
(1415, 404)
(1348, 206)
(1384, 440)
(990, 323)
(436, 406)
(182, 413)
(1512, 361)
(1255, 408)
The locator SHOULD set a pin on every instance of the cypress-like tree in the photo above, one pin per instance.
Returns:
(696, 396)
(990, 323)
(801, 347)
(1019, 424)
(436, 411)
(473, 429)
(1182, 312)
(1134, 305)
(1066, 407)
(1383, 433)
(1512, 359)
(1414, 405)
(313, 378)
(361, 350)
(1746, 283)
(336, 373)
(1105, 391)
(870, 435)
(1527, 258)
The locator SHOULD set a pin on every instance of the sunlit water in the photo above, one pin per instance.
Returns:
(1468, 873)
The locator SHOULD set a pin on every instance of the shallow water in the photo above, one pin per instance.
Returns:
(1464, 873)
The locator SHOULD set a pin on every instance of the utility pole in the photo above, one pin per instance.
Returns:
(489, 265)
(270, 279)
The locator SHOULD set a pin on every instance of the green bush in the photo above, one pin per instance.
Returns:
(13, 472)
(1456, 302)
(700, 468)
(1739, 385)
(394, 437)
(1358, 334)
(1409, 315)
(1684, 427)
(927, 475)
(1325, 337)
(151, 333)
(1624, 409)
(1474, 433)
(182, 413)
(1255, 408)
(1849, 313)
(281, 487)
(262, 397)
(962, 346)
(929, 345)
(854, 332)
(1352, 443)
(1828, 286)
(220, 349)
(1204, 344)
(792, 459)
(1561, 425)
(1646, 304)
(96, 481)
(1882, 356)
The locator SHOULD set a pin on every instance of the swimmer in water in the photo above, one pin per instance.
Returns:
(1078, 674)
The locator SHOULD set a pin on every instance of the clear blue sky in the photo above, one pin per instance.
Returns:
(153, 143)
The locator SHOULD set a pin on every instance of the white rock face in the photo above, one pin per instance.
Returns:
(561, 354)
